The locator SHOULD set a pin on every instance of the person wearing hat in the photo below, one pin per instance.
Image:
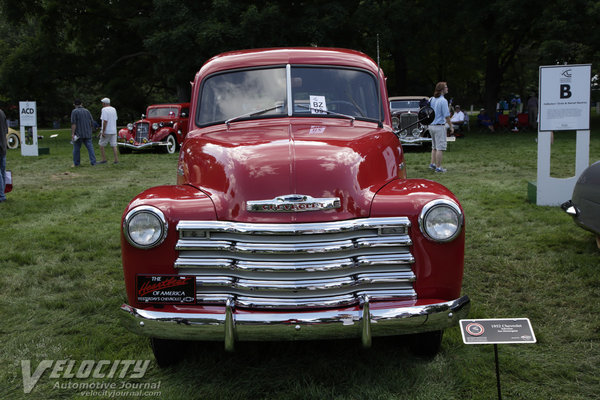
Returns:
(108, 130)
(81, 132)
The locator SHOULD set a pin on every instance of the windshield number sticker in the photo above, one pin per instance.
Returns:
(318, 105)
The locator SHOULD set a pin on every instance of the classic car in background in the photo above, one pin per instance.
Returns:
(584, 205)
(164, 126)
(12, 139)
(405, 111)
(292, 217)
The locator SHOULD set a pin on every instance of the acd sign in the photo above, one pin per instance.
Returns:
(28, 124)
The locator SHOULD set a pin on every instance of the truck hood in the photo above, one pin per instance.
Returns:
(269, 159)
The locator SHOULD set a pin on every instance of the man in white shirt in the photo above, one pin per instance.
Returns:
(108, 130)
(458, 118)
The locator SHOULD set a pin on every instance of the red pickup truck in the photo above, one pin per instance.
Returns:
(292, 217)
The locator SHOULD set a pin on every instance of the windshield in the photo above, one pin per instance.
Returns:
(260, 93)
(404, 104)
(162, 112)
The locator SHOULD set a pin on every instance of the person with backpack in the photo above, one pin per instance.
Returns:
(437, 129)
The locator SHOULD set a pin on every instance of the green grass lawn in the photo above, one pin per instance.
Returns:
(61, 280)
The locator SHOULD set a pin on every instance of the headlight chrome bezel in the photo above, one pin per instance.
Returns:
(431, 210)
(161, 223)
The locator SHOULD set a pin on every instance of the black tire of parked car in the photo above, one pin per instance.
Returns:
(168, 352)
(426, 345)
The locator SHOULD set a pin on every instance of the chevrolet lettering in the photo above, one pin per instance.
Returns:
(292, 217)
(293, 203)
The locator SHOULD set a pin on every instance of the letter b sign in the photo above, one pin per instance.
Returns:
(565, 91)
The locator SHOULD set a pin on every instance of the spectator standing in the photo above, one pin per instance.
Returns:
(108, 130)
(81, 132)
(437, 129)
(3, 133)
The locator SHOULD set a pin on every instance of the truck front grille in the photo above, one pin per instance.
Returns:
(286, 266)
(142, 131)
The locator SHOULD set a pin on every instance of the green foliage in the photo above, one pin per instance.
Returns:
(62, 285)
(139, 53)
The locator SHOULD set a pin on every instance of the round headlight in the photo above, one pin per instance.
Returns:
(145, 227)
(155, 126)
(416, 132)
(441, 220)
(130, 126)
(395, 123)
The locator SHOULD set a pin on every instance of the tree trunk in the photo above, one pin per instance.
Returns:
(493, 78)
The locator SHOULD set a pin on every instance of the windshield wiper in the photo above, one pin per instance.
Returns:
(319, 111)
(254, 113)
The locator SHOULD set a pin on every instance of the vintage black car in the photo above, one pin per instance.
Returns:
(584, 205)
(405, 123)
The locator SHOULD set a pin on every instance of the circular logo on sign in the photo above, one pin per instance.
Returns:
(475, 329)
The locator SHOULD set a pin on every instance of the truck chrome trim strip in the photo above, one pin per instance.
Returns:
(205, 282)
(230, 326)
(292, 229)
(294, 266)
(315, 247)
(257, 302)
(293, 203)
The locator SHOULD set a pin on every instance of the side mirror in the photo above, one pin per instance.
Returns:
(426, 115)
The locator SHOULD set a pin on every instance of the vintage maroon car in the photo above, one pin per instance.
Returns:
(163, 126)
(292, 217)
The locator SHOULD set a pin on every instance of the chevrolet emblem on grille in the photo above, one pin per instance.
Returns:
(293, 203)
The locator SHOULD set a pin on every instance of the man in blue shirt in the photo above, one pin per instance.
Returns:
(437, 129)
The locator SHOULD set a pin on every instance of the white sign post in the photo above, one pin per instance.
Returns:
(28, 124)
(564, 105)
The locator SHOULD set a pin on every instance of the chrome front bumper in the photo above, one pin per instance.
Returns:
(414, 142)
(141, 146)
(364, 323)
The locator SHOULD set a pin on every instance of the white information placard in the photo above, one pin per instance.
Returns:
(565, 97)
(28, 125)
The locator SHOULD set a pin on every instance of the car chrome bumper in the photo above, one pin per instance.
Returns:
(141, 146)
(414, 142)
(231, 326)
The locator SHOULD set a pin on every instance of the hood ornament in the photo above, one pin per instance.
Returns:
(293, 203)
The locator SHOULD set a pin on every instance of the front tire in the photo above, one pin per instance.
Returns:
(171, 144)
(427, 344)
(167, 352)
(12, 141)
